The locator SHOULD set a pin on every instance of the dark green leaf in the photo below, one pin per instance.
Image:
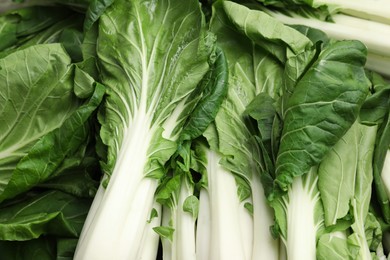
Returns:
(54, 212)
(323, 106)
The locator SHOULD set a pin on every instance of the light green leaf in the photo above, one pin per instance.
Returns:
(164, 68)
(191, 205)
(276, 36)
(165, 232)
(364, 177)
(336, 174)
(28, 111)
(48, 152)
(331, 246)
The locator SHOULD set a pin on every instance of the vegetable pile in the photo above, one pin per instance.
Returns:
(203, 130)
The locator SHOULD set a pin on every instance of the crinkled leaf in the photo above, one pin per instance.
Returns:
(54, 212)
(373, 231)
(47, 154)
(323, 106)
(28, 111)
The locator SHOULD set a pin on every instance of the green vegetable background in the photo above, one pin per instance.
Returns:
(194, 130)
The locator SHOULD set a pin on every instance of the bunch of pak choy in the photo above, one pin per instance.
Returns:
(222, 133)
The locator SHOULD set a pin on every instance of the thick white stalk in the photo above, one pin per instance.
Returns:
(372, 34)
(378, 63)
(301, 226)
(115, 231)
(91, 213)
(376, 10)
(203, 228)
(150, 239)
(264, 245)
(226, 236)
(246, 222)
(167, 252)
(184, 235)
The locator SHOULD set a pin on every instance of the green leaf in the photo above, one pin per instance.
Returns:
(66, 248)
(55, 213)
(165, 232)
(323, 106)
(373, 232)
(215, 85)
(313, 34)
(153, 214)
(71, 39)
(51, 34)
(42, 248)
(252, 70)
(330, 246)
(28, 111)
(381, 150)
(191, 205)
(83, 82)
(277, 37)
(249, 207)
(336, 176)
(164, 68)
(20, 24)
(94, 11)
(167, 194)
(376, 107)
(47, 154)
(264, 111)
(363, 189)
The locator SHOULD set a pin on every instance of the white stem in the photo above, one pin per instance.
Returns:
(301, 227)
(379, 64)
(246, 223)
(226, 237)
(184, 235)
(372, 34)
(150, 239)
(91, 214)
(167, 251)
(116, 228)
(203, 228)
(377, 10)
(264, 245)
